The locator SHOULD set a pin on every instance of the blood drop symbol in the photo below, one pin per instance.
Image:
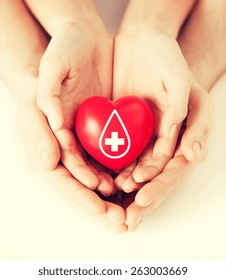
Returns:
(114, 141)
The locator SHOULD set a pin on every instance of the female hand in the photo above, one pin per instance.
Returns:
(150, 64)
(77, 64)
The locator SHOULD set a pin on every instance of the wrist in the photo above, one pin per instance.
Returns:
(87, 24)
(73, 28)
(162, 16)
(153, 26)
(54, 14)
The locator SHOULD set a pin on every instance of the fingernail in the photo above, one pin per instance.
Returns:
(197, 149)
(52, 122)
(44, 158)
(143, 201)
(127, 187)
(133, 227)
(139, 219)
(128, 190)
(172, 131)
(139, 179)
(138, 176)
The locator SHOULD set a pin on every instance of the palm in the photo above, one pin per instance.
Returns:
(146, 66)
(75, 66)
(86, 69)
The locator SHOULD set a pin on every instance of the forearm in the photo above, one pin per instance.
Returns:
(166, 16)
(203, 42)
(52, 14)
(22, 43)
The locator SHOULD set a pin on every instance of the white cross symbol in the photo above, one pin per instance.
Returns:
(114, 141)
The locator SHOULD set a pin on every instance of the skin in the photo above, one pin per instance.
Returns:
(148, 62)
(77, 64)
(19, 70)
(42, 98)
(155, 191)
(196, 42)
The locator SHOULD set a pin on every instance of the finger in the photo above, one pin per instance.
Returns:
(73, 160)
(177, 87)
(199, 124)
(119, 228)
(33, 125)
(74, 192)
(164, 183)
(106, 185)
(129, 185)
(51, 75)
(123, 175)
(155, 157)
(115, 215)
(135, 215)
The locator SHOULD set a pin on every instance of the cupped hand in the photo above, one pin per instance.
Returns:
(37, 138)
(195, 132)
(151, 65)
(77, 64)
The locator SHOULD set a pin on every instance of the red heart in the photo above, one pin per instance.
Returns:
(114, 134)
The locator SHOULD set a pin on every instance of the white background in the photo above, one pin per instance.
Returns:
(36, 223)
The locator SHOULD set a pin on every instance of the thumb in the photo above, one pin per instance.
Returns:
(46, 146)
(199, 125)
(177, 90)
(51, 76)
(37, 138)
